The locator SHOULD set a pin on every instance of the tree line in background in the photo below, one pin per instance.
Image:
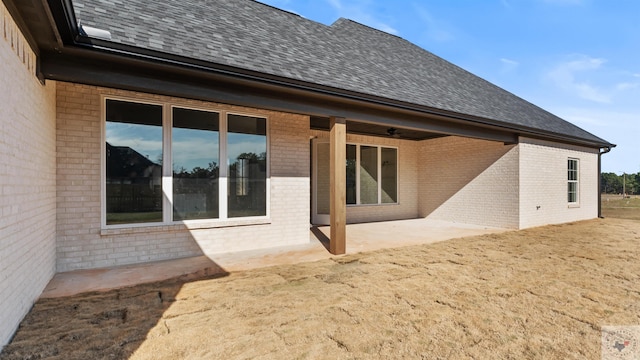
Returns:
(617, 184)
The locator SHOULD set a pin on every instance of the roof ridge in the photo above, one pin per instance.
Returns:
(276, 8)
(343, 19)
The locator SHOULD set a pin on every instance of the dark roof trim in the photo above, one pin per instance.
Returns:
(17, 17)
(64, 17)
(80, 66)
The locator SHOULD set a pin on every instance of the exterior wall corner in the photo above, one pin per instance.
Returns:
(469, 181)
(543, 183)
(27, 178)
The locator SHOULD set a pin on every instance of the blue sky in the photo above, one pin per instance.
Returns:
(579, 59)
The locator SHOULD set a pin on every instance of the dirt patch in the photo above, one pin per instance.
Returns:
(538, 293)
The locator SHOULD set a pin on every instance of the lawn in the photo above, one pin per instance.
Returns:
(541, 293)
(619, 207)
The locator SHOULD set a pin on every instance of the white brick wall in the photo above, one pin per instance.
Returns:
(407, 207)
(488, 183)
(27, 178)
(452, 178)
(83, 244)
(543, 183)
(469, 181)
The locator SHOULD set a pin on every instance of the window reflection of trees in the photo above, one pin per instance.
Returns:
(195, 192)
(247, 185)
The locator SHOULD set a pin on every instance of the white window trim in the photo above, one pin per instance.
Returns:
(103, 161)
(167, 171)
(379, 174)
(577, 182)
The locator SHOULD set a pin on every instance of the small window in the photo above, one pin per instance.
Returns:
(572, 181)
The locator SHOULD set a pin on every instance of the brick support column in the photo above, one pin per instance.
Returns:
(338, 186)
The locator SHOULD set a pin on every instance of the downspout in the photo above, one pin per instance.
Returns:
(605, 150)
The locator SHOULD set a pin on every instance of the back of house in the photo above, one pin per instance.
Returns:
(141, 131)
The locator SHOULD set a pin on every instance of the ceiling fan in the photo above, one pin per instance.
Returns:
(393, 132)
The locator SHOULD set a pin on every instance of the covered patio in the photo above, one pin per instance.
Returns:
(361, 238)
(328, 178)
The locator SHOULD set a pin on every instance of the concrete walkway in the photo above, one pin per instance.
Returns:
(360, 237)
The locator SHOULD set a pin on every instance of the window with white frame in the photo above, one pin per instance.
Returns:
(372, 174)
(166, 163)
(572, 181)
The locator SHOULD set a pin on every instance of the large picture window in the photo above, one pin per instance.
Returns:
(372, 175)
(166, 163)
(572, 181)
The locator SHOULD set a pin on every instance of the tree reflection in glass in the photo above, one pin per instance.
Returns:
(195, 147)
(133, 162)
(247, 152)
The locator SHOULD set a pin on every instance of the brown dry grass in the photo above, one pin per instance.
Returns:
(623, 208)
(538, 293)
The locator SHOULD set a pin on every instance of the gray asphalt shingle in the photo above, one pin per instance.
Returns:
(346, 55)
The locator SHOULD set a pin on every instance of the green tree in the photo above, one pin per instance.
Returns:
(632, 187)
(611, 183)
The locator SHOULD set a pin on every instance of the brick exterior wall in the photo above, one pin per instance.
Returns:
(512, 186)
(407, 206)
(27, 178)
(469, 181)
(82, 243)
(543, 183)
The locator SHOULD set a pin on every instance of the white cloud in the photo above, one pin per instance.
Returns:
(584, 119)
(336, 4)
(626, 86)
(565, 76)
(435, 29)
(585, 63)
(619, 126)
(589, 92)
(564, 2)
(509, 65)
(359, 11)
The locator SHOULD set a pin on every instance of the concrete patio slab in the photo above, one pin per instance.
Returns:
(360, 237)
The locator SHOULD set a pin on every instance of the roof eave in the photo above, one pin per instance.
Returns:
(156, 56)
(66, 25)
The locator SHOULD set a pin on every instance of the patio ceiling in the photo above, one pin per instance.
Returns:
(363, 128)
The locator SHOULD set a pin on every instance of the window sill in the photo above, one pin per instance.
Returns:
(181, 226)
(573, 206)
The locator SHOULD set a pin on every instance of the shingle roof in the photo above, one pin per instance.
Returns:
(346, 55)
